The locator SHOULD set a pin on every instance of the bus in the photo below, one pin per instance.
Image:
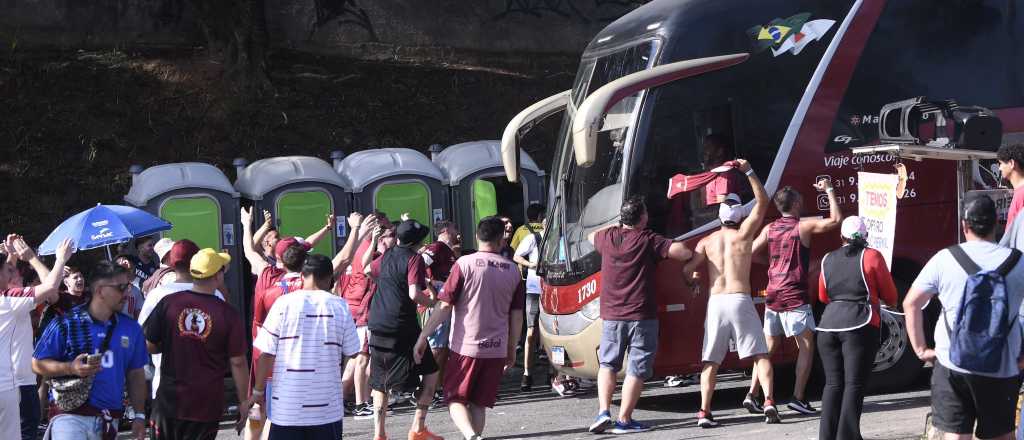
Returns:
(794, 85)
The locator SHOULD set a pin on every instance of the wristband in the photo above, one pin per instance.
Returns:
(830, 190)
(749, 172)
(140, 416)
(256, 392)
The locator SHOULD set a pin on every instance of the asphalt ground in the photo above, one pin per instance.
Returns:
(542, 414)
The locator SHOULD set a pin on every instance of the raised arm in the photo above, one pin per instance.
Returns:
(268, 224)
(344, 257)
(50, 279)
(752, 224)
(835, 215)
(256, 262)
(367, 257)
(319, 235)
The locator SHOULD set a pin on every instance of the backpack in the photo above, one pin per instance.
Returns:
(982, 325)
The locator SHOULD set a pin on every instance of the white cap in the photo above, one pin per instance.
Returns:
(162, 247)
(854, 228)
(731, 210)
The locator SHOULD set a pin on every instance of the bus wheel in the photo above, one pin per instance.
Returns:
(896, 365)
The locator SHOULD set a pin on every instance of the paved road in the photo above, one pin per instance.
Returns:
(543, 415)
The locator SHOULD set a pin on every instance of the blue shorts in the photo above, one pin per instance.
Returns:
(639, 337)
(440, 337)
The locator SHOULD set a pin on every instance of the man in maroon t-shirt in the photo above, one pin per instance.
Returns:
(201, 338)
(787, 311)
(629, 256)
(484, 298)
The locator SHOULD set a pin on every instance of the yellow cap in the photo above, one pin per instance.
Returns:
(207, 262)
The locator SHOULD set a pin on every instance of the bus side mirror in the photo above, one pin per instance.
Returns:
(521, 124)
(590, 115)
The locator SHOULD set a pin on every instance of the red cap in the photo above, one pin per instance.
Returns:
(285, 243)
(181, 253)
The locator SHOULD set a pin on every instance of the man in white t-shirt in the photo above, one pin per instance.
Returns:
(305, 339)
(17, 381)
(527, 255)
(179, 258)
(966, 402)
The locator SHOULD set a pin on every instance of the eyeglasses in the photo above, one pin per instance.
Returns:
(120, 287)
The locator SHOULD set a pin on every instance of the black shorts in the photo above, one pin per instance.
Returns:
(392, 367)
(961, 400)
(175, 429)
(532, 309)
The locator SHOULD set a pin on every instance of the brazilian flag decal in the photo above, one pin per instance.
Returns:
(776, 32)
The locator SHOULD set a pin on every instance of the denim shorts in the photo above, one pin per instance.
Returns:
(639, 338)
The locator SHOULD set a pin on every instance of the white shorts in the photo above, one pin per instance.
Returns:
(791, 322)
(732, 316)
(363, 333)
(10, 414)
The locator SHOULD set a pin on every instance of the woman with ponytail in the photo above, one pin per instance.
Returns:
(853, 280)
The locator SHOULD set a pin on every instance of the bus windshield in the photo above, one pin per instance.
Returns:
(587, 198)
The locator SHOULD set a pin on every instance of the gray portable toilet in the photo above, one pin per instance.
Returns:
(478, 187)
(198, 199)
(300, 192)
(394, 181)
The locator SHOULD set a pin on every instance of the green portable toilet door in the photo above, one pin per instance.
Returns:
(485, 200)
(196, 218)
(302, 213)
(394, 199)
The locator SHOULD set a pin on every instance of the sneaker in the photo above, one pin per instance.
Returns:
(350, 407)
(752, 405)
(801, 406)
(602, 422)
(363, 411)
(673, 381)
(572, 386)
(705, 419)
(561, 387)
(771, 414)
(629, 428)
(424, 434)
(526, 384)
(438, 401)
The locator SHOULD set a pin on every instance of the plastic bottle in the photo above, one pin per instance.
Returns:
(256, 417)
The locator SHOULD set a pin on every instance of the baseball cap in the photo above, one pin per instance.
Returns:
(181, 253)
(854, 228)
(207, 262)
(731, 211)
(285, 243)
(162, 247)
(410, 232)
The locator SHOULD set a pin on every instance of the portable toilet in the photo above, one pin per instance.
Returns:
(478, 188)
(396, 181)
(300, 192)
(199, 201)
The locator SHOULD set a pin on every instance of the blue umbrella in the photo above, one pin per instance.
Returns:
(102, 226)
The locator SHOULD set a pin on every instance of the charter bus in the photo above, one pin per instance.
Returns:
(794, 85)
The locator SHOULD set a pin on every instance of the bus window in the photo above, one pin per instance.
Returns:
(301, 213)
(195, 218)
(394, 199)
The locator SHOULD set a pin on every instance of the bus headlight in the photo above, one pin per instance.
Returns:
(592, 310)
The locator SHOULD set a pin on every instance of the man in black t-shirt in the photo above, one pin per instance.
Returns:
(200, 337)
(400, 275)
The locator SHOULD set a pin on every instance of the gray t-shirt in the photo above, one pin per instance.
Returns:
(944, 276)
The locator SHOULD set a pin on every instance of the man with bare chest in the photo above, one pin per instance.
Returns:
(731, 314)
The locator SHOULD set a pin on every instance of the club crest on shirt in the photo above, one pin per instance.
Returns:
(125, 342)
(194, 323)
